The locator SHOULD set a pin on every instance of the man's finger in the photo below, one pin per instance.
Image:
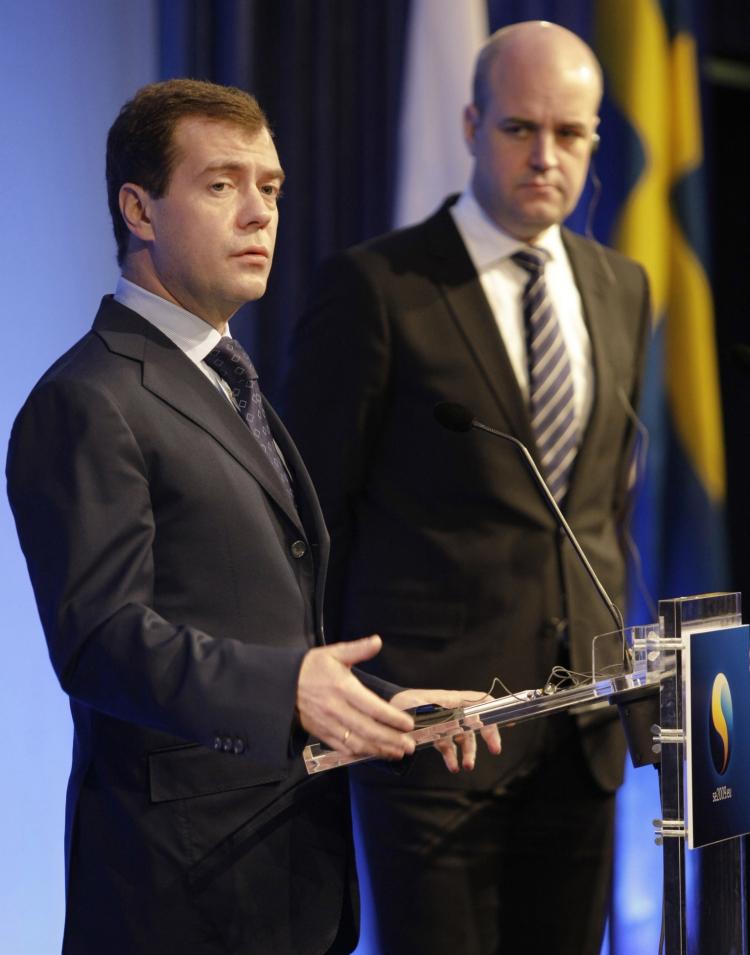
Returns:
(350, 652)
(492, 739)
(361, 698)
(447, 749)
(349, 731)
(374, 743)
(468, 744)
(375, 722)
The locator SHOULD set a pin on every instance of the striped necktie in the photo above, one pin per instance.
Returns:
(551, 401)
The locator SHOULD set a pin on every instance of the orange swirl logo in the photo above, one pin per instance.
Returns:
(720, 723)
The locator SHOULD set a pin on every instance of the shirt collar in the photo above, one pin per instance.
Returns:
(488, 244)
(188, 332)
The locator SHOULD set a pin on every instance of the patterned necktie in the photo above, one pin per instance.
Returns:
(230, 360)
(551, 401)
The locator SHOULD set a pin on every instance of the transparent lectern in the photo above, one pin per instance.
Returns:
(642, 671)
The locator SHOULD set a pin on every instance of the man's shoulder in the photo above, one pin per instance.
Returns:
(592, 252)
(436, 223)
(92, 361)
(418, 246)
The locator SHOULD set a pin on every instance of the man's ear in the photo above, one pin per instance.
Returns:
(471, 121)
(595, 138)
(135, 207)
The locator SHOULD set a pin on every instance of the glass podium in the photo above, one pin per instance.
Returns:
(642, 671)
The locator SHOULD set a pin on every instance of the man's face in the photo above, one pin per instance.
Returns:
(532, 144)
(215, 228)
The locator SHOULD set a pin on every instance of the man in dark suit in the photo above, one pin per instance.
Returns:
(178, 553)
(441, 541)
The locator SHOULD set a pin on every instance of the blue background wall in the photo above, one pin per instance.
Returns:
(65, 69)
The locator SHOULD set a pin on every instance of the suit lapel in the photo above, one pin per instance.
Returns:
(456, 276)
(593, 284)
(170, 375)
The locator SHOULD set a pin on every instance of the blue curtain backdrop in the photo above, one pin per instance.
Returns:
(329, 73)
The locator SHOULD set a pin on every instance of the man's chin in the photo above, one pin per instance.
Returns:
(250, 291)
(539, 218)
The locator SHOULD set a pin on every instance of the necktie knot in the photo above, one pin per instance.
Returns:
(232, 363)
(531, 259)
(230, 360)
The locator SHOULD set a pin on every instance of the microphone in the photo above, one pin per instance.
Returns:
(456, 417)
(453, 416)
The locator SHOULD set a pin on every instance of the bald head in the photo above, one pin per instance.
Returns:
(534, 43)
(532, 125)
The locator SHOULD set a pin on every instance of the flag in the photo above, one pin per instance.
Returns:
(652, 167)
(648, 51)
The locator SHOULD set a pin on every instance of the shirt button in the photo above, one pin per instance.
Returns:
(217, 743)
(239, 747)
(298, 549)
(226, 744)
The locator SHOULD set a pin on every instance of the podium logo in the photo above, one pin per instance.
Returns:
(720, 724)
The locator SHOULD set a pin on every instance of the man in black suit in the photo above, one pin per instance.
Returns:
(441, 541)
(178, 554)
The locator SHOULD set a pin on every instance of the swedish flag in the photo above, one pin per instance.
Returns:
(648, 51)
(652, 167)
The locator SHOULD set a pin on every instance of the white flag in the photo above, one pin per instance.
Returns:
(444, 38)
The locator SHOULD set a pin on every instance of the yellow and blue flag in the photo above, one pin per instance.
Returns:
(654, 207)
(649, 54)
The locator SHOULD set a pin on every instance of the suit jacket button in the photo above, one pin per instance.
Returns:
(226, 744)
(298, 549)
(239, 747)
(217, 743)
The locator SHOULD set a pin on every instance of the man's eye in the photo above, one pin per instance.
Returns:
(271, 191)
(516, 130)
(219, 186)
(570, 134)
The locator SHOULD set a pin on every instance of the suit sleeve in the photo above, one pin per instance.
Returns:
(80, 495)
(628, 467)
(334, 399)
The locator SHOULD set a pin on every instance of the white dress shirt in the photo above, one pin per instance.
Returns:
(503, 282)
(189, 333)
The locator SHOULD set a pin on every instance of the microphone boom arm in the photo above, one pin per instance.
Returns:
(553, 505)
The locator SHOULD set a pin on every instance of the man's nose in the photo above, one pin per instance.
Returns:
(543, 150)
(255, 209)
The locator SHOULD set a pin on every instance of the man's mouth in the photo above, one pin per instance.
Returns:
(253, 251)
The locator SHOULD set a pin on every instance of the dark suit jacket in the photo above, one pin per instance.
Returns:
(440, 541)
(179, 590)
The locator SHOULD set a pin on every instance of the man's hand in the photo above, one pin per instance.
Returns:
(334, 706)
(467, 741)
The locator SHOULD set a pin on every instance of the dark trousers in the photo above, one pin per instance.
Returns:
(525, 869)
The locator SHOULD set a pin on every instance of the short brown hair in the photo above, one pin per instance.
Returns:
(140, 144)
